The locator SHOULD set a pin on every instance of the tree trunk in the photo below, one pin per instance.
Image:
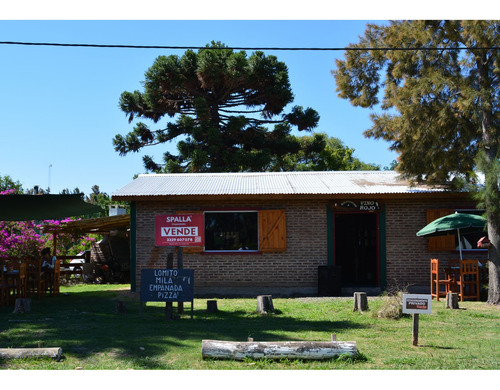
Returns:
(313, 350)
(490, 170)
(265, 304)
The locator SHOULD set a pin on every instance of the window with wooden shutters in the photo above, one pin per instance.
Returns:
(443, 243)
(251, 231)
(272, 230)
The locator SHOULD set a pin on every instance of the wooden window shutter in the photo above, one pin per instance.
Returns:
(191, 249)
(272, 230)
(443, 243)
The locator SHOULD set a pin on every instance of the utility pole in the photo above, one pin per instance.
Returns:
(50, 168)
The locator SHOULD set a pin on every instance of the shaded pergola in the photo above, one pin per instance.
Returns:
(94, 225)
(44, 207)
(20, 207)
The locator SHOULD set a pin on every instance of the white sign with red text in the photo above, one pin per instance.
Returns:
(179, 230)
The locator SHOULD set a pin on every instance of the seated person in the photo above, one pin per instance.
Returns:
(47, 260)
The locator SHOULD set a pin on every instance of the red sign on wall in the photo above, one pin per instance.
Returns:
(180, 230)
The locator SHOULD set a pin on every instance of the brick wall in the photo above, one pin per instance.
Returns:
(295, 271)
(408, 259)
(292, 272)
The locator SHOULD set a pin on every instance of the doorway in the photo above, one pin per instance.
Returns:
(356, 248)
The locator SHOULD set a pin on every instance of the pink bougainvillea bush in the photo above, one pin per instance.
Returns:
(20, 239)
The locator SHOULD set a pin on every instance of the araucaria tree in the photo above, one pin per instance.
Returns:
(227, 110)
(440, 104)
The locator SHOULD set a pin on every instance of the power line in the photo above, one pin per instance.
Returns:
(246, 48)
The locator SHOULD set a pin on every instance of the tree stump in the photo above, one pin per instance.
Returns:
(23, 305)
(452, 300)
(212, 306)
(265, 304)
(121, 307)
(360, 301)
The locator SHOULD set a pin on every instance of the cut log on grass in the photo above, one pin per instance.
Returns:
(120, 307)
(20, 353)
(452, 300)
(360, 301)
(265, 304)
(23, 305)
(212, 306)
(309, 350)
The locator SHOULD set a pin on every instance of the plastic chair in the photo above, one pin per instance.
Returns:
(469, 280)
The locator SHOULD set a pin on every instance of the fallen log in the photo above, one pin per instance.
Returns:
(20, 353)
(310, 350)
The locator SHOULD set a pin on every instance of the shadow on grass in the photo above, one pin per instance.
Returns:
(85, 324)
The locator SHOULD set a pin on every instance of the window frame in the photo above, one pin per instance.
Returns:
(233, 251)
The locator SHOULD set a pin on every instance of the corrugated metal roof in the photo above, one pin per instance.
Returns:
(270, 183)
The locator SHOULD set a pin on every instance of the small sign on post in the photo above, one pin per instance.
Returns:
(416, 304)
(167, 285)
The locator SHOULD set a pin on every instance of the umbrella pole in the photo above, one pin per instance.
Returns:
(459, 244)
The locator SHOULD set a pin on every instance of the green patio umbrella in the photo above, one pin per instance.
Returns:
(449, 224)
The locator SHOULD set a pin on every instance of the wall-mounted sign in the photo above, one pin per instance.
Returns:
(356, 205)
(180, 230)
(167, 285)
(417, 304)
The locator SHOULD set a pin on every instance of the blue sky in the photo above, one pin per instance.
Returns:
(59, 105)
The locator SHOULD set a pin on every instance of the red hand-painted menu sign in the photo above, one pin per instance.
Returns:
(180, 230)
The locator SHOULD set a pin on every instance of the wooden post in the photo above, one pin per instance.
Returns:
(360, 301)
(415, 329)
(265, 304)
(168, 305)
(180, 265)
(121, 308)
(452, 300)
(212, 306)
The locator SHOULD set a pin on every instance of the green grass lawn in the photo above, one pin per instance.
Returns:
(82, 321)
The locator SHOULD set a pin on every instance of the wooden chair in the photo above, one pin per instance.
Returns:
(452, 272)
(34, 280)
(54, 283)
(3, 287)
(22, 286)
(437, 282)
(468, 282)
(17, 283)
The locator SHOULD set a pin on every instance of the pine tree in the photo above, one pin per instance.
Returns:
(439, 106)
(228, 110)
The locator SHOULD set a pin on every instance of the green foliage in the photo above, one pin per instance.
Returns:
(319, 152)
(7, 183)
(440, 106)
(435, 102)
(224, 104)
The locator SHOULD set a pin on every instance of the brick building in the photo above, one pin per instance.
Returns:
(295, 233)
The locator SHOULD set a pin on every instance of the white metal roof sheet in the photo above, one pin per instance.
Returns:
(276, 183)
